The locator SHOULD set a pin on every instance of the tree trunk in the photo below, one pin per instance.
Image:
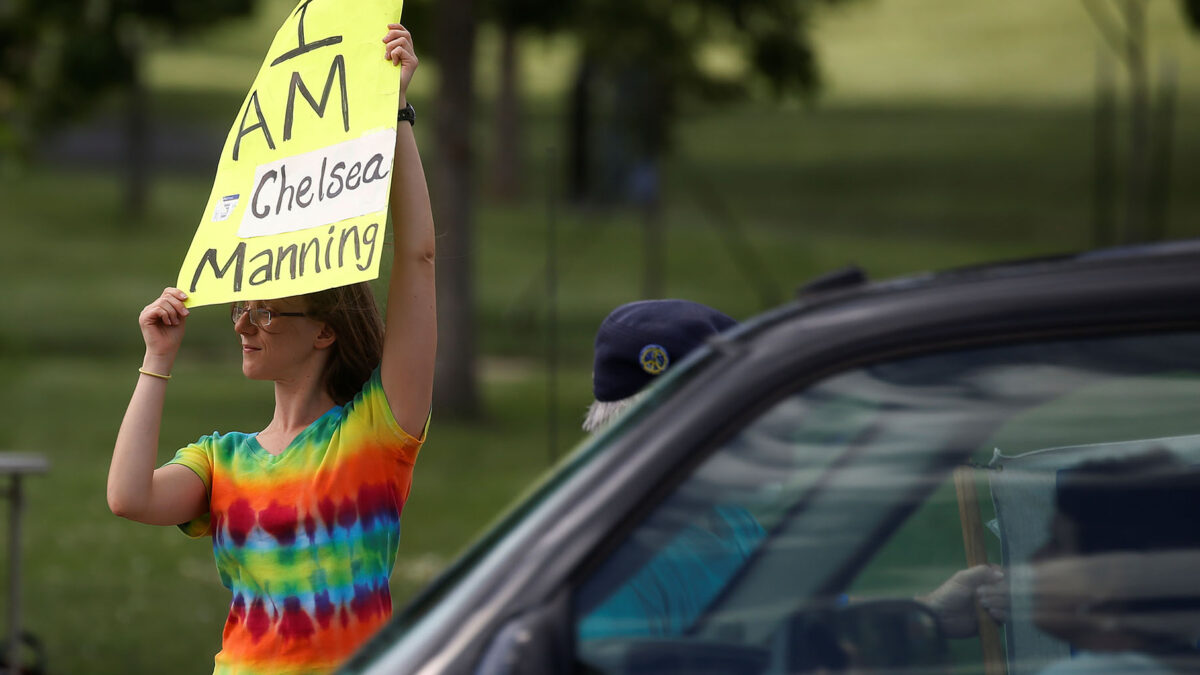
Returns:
(506, 164)
(1139, 121)
(579, 130)
(456, 390)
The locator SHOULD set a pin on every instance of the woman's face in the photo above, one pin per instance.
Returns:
(281, 348)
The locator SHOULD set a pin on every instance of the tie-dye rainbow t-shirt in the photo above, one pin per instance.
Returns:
(305, 539)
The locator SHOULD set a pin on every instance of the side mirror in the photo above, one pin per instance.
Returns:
(536, 642)
(877, 635)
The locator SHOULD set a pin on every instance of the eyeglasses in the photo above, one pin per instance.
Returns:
(259, 316)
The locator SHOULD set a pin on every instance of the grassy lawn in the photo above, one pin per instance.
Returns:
(974, 146)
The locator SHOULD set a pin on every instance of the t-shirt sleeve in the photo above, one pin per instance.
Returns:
(370, 412)
(198, 457)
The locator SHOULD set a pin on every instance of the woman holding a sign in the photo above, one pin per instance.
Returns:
(304, 515)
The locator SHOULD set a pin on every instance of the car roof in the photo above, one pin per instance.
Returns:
(851, 283)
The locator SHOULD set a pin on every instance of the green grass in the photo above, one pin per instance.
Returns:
(950, 135)
(1015, 53)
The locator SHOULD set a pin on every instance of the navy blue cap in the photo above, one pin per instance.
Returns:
(639, 340)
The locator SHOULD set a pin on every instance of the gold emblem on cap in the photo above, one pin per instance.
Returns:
(654, 359)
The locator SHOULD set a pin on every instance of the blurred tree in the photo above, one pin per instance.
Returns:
(515, 18)
(640, 60)
(57, 58)
(650, 54)
(1122, 26)
(448, 30)
(456, 390)
(1192, 9)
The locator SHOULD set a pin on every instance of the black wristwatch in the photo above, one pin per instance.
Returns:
(407, 114)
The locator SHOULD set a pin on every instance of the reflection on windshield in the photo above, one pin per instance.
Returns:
(829, 472)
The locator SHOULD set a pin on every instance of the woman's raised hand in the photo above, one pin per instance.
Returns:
(399, 51)
(163, 321)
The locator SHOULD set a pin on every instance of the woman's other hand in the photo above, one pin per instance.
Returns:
(163, 322)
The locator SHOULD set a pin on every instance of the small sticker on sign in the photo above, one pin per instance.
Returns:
(225, 207)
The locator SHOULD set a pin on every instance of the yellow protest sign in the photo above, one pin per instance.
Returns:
(299, 202)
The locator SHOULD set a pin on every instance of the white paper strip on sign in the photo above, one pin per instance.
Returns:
(320, 187)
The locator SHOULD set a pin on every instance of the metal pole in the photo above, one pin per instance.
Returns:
(1104, 228)
(737, 244)
(654, 253)
(14, 576)
(1160, 165)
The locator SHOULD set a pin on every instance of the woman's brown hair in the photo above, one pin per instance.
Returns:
(354, 317)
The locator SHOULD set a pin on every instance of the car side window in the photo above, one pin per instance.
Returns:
(829, 534)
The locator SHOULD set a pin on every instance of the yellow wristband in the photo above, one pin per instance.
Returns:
(146, 372)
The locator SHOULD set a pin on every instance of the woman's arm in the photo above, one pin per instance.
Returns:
(173, 494)
(410, 337)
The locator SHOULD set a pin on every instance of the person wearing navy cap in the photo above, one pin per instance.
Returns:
(637, 342)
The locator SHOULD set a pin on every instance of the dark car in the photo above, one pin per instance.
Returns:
(789, 498)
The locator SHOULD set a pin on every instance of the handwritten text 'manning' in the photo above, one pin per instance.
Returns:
(291, 261)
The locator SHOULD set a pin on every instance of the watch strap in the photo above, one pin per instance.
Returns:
(407, 114)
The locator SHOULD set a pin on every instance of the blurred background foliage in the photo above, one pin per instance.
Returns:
(581, 155)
